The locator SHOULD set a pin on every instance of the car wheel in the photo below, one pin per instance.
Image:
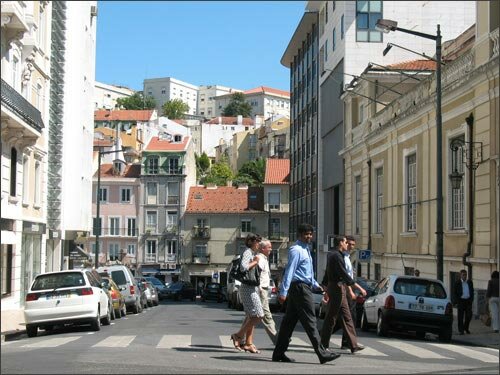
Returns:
(364, 322)
(445, 335)
(381, 326)
(96, 323)
(156, 303)
(106, 321)
(31, 330)
(150, 304)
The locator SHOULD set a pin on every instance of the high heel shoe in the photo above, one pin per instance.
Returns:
(251, 349)
(236, 342)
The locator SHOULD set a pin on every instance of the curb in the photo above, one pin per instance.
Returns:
(11, 335)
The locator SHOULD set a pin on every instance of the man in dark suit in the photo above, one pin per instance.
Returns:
(464, 295)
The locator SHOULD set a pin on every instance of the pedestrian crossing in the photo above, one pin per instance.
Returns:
(375, 348)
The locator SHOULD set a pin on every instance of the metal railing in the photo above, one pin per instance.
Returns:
(201, 232)
(24, 109)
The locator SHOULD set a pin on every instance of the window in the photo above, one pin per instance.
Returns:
(6, 267)
(201, 251)
(103, 195)
(125, 195)
(457, 195)
(151, 221)
(26, 175)
(41, 29)
(150, 256)
(411, 193)
(114, 251)
(326, 49)
(361, 113)
(163, 90)
(246, 226)
(151, 193)
(274, 200)
(274, 227)
(131, 227)
(131, 249)
(114, 226)
(367, 14)
(201, 223)
(379, 177)
(15, 68)
(326, 12)
(173, 166)
(39, 96)
(377, 271)
(342, 27)
(97, 226)
(152, 165)
(171, 219)
(38, 186)
(357, 206)
(334, 38)
(13, 172)
(171, 247)
(173, 192)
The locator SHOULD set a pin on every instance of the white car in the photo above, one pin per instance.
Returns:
(408, 303)
(66, 297)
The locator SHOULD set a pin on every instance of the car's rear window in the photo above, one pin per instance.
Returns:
(58, 280)
(420, 287)
(119, 277)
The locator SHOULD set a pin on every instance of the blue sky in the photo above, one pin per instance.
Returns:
(231, 43)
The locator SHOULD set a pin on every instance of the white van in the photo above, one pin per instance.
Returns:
(123, 277)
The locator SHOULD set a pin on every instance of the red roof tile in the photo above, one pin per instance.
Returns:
(277, 171)
(414, 65)
(123, 115)
(270, 90)
(157, 144)
(231, 121)
(131, 171)
(224, 199)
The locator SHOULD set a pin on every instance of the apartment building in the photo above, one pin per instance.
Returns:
(168, 88)
(274, 138)
(105, 95)
(207, 98)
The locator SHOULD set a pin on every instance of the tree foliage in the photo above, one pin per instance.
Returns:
(202, 166)
(175, 108)
(237, 106)
(220, 173)
(136, 101)
(252, 173)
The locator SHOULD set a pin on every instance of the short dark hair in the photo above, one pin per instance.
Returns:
(494, 275)
(304, 228)
(338, 239)
(350, 238)
(252, 237)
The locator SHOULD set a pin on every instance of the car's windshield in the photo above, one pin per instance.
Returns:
(154, 281)
(175, 286)
(58, 280)
(420, 287)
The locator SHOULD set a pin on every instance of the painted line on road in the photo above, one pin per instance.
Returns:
(367, 351)
(413, 350)
(114, 342)
(301, 343)
(52, 343)
(468, 352)
(174, 341)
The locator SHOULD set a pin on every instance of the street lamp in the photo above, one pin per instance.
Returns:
(386, 26)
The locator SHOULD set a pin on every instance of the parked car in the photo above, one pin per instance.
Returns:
(117, 299)
(150, 291)
(181, 290)
(212, 291)
(123, 277)
(65, 297)
(408, 303)
(158, 285)
(272, 295)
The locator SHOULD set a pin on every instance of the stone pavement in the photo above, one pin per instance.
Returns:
(13, 326)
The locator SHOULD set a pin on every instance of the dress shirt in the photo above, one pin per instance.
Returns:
(298, 268)
(336, 269)
(465, 290)
(265, 273)
(348, 265)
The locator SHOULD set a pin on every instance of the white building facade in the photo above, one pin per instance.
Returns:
(167, 88)
(207, 98)
(105, 95)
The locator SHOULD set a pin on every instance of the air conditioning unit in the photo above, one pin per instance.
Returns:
(93, 11)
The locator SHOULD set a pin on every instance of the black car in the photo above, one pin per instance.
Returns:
(180, 290)
(212, 291)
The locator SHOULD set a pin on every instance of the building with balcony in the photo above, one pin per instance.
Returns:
(168, 169)
(390, 161)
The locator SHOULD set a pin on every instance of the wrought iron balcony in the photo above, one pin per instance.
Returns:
(276, 236)
(201, 232)
(201, 259)
(15, 102)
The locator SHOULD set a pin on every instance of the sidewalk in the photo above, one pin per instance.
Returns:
(13, 326)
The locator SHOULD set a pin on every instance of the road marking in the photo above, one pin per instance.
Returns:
(299, 344)
(413, 350)
(468, 352)
(52, 343)
(114, 342)
(226, 342)
(366, 351)
(174, 341)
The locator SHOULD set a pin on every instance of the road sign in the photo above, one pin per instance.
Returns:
(364, 255)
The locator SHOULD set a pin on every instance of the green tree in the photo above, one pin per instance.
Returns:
(220, 173)
(252, 173)
(202, 166)
(175, 108)
(136, 101)
(237, 106)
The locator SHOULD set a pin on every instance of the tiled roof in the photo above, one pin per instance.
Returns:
(230, 121)
(123, 115)
(224, 199)
(157, 144)
(414, 65)
(277, 171)
(131, 171)
(264, 89)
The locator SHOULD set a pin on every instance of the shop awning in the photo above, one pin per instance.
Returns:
(149, 270)
(165, 271)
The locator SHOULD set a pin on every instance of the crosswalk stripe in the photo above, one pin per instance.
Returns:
(299, 342)
(174, 341)
(52, 343)
(366, 351)
(114, 342)
(468, 352)
(225, 342)
(413, 350)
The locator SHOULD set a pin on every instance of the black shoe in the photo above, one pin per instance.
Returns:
(357, 348)
(467, 331)
(283, 358)
(328, 357)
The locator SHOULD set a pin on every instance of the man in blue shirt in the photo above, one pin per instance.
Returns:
(296, 288)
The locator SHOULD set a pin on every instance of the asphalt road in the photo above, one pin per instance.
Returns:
(188, 337)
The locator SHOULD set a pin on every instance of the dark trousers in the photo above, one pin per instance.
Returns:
(300, 306)
(338, 310)
(464, 307)
(338, 325)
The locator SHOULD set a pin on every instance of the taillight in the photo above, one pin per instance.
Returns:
(114, 294)
(31, 297)
(390, 303)
(132, 289)
(86, 291)
(449, 309)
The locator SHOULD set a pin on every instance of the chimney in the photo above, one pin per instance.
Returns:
(240, 120)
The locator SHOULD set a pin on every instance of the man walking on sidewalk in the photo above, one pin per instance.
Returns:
(464, 295)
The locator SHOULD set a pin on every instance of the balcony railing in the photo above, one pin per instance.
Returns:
(117, 232)
(150, 229)
(201, 259)
(150, 258)
(171, 258)
(170, 229)
(164, 171)
(201, 232)
(273, 236)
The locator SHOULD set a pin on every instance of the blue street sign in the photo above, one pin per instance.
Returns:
(364, 255)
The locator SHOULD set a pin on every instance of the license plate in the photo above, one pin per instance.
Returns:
(421, 307)
(58, 296)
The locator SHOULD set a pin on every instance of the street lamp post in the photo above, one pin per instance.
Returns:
(389, 25)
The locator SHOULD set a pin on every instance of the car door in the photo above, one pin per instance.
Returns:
(97, 288)
(372, 303)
